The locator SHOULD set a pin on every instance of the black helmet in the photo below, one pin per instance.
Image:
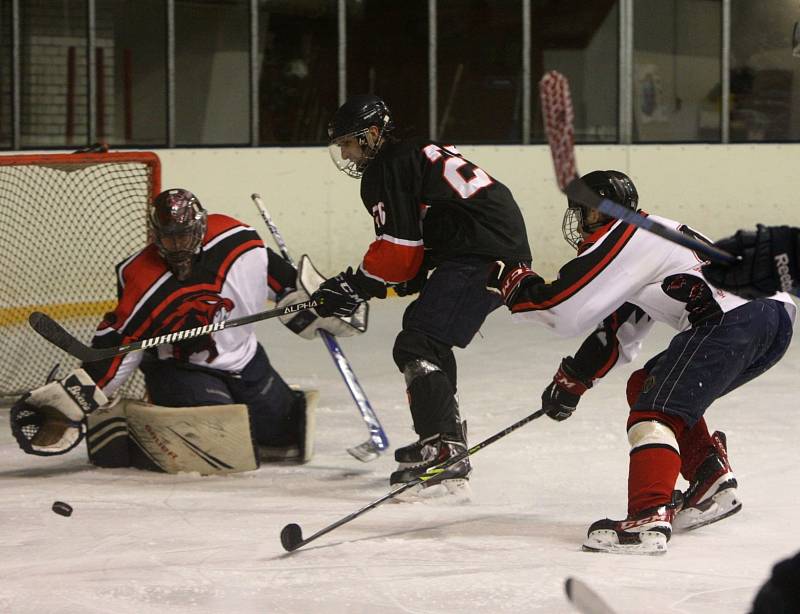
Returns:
(177, 222)
(352, 121)
(612, 185)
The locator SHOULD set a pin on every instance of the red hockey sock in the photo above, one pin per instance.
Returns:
(695, 445)
(654, 461)
(651, 477)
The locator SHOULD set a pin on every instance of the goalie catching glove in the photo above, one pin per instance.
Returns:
(51, 420)
(306, 323)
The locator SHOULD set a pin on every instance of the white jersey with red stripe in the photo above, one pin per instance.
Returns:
(228, 280)
(632, 275)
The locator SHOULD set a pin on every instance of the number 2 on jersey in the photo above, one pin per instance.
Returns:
(453, 163)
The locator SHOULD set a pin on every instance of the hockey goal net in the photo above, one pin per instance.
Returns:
(66, 220)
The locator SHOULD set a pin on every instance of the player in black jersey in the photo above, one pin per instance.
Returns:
(440, 221)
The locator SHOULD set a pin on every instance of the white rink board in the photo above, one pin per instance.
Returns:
(146, 543)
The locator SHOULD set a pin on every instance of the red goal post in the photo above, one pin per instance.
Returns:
(65, 221)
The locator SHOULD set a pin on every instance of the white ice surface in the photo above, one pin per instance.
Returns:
(140, 542)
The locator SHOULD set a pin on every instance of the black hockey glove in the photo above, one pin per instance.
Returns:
(339, 296)
(506, 279)
(560, 398)
(768, 264)
(413, 285)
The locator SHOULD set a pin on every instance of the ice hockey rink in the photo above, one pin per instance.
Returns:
(141, 542)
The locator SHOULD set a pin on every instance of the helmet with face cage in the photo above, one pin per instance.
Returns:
(177, 223)
(613, 185)
(350, 128)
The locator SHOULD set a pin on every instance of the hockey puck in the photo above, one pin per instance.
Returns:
(61, 508)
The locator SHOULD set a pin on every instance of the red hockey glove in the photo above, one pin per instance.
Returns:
(506, 279)
(560, 398)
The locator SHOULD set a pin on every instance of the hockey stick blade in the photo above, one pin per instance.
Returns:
(579, 192)
(56, 334)
(585, 600)
(365, 452)
(291, 535)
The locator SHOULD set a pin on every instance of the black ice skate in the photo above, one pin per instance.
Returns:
(712, 495)
(644, 533)
(416, 459)
(411, 454)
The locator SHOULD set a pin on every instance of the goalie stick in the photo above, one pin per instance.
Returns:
(292, 534)
(56, 334)
(558, 117)
(377, 442)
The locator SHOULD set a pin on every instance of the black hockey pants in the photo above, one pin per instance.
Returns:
(449, 311)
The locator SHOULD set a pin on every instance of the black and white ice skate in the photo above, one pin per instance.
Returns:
(712, 495)
(418, 458)
(411, 454)
(644, 533)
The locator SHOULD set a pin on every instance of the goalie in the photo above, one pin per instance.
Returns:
(216, 402)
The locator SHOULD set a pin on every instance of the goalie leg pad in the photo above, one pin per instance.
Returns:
(211, 439)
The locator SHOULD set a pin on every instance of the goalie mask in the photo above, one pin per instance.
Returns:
(177, 222)
(612, 185)
(357, 132)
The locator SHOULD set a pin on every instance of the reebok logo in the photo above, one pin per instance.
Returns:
(784, 274)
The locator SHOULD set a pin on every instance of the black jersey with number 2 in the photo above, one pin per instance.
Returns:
(427, 200)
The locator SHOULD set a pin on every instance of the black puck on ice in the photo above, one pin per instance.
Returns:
(64, 509)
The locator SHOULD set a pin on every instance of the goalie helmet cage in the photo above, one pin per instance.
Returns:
(66, 220)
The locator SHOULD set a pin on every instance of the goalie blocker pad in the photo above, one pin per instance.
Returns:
(213, 439)
(306, 323)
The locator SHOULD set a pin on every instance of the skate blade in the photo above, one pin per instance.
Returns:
(365, 452)
(723, 504)
(446, 491)
(650, 543)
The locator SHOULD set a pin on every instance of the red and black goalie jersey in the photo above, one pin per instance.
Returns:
(230, 279)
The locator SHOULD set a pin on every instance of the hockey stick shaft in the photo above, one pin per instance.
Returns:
(293, 530)
(558, 118)
(56, 334)
(578, 191)
(273, 229)
(378, 437)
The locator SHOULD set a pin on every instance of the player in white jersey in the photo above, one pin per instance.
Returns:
(626, 279)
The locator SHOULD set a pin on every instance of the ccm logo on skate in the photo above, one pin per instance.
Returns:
(629, 524)
(782, 266)
(183, 334)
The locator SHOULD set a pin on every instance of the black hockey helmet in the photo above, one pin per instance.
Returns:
(177, 222)
(612, 185)
(350, 126)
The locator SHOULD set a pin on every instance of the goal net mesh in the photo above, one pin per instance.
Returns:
(66, 221)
